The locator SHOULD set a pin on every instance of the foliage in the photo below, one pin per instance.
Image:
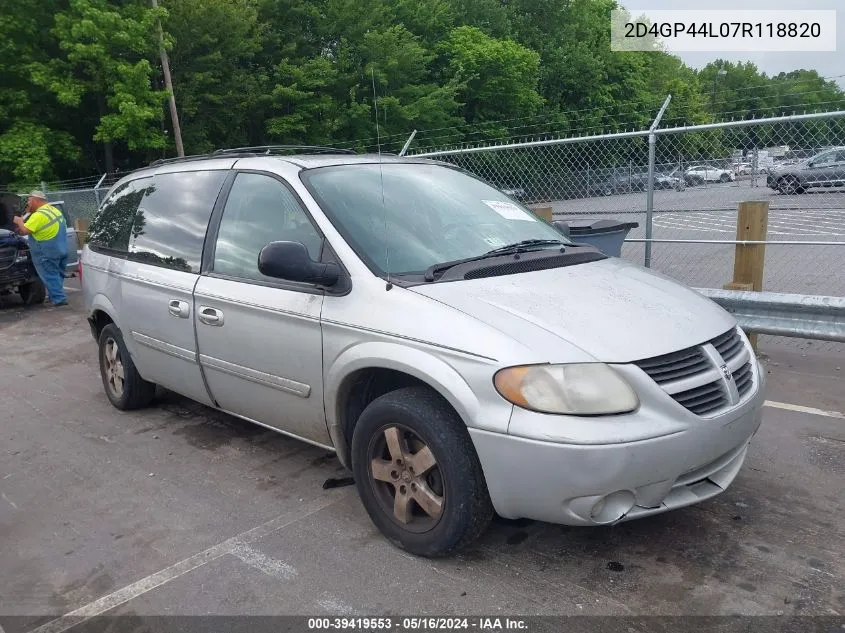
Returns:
(83, 88)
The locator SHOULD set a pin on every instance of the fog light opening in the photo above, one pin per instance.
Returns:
(612, 507)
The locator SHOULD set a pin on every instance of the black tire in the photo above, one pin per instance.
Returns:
(789, 185)
(33, 293)
(422, 417)
(724, 178)
(134, 391)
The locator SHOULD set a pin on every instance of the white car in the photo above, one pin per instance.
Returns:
(742, 169)
(709, 173)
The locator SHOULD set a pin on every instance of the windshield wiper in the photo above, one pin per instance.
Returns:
(516, 247)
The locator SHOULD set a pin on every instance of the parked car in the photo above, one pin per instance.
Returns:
(17, 272)
(627, 183)
(826, 169)
(517, 193)
(459, 354)
(742, 169)
(639, 181)
(698, 174)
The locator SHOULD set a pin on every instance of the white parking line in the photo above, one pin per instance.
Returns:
(802, 409)
(263, 563)
(235, 545)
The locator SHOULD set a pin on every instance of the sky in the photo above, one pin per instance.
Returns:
(827, 64)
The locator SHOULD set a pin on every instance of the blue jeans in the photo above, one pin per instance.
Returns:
(50, 259)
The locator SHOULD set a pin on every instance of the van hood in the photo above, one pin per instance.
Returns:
(613, 310)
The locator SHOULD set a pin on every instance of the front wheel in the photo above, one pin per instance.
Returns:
(724, 178)
(789, 186)
(123, 384)
(418, 474)
(33, 293)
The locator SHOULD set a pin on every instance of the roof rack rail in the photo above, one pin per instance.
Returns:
(258, 150)
(270, 150)
(178, 159)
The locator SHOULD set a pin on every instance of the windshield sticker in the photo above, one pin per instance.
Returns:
(508, 210)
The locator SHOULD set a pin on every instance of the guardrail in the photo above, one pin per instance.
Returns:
(781, 314)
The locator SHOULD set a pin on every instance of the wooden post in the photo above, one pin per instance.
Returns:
(168, 84)
(81, 227)
(542, 212)
(752, 224)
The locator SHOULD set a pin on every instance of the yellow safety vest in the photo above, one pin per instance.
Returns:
(48, 225)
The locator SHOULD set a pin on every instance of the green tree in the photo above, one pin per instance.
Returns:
(103, 60)
(34, 141)
(497, 78)
(219, 87)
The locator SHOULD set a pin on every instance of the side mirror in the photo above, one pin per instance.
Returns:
(291, 261)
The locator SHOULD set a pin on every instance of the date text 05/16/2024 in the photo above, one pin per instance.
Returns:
(417, 624)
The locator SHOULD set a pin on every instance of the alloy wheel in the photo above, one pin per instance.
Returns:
(113, 368)
(407, 481)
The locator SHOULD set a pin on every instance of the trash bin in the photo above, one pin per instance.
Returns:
(605, 235)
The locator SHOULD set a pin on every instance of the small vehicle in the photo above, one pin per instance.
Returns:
(629, 183)
(742, 169)
(826, 169)
(517, 193)
(699, 174)
(17, 272)
(459, 354)
(639, 181)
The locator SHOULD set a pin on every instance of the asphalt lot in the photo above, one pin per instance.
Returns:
(181, 510)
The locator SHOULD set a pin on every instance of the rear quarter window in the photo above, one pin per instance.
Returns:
(111, 228)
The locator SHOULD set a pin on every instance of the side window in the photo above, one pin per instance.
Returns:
(170, 225)
(260, 210)
(111, 228)
(825, 159)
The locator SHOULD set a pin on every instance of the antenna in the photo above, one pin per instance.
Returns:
(381, 178)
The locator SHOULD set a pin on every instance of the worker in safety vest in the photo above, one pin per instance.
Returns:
(47, 229)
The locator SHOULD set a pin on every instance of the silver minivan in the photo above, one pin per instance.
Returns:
(460, 355)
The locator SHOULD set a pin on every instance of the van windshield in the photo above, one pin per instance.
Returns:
(430, 214)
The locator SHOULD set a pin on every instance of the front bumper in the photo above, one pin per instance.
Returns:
(605, 482)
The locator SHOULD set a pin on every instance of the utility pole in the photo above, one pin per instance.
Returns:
(168, 83)
(719, 73)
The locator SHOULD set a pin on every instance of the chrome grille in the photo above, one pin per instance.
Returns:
(693, 377)
(7, 256)
(674, 366)
(728, 344)
(743, 379)
(703, 400)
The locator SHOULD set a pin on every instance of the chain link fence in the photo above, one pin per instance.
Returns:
(80, 197)
(699, 176)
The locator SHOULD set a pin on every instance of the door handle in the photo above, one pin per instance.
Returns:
(179, 309)
(211, 316)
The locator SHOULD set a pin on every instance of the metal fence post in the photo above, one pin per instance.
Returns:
(649, 212)
(97, 189)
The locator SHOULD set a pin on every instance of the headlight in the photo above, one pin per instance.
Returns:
(577, 389)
